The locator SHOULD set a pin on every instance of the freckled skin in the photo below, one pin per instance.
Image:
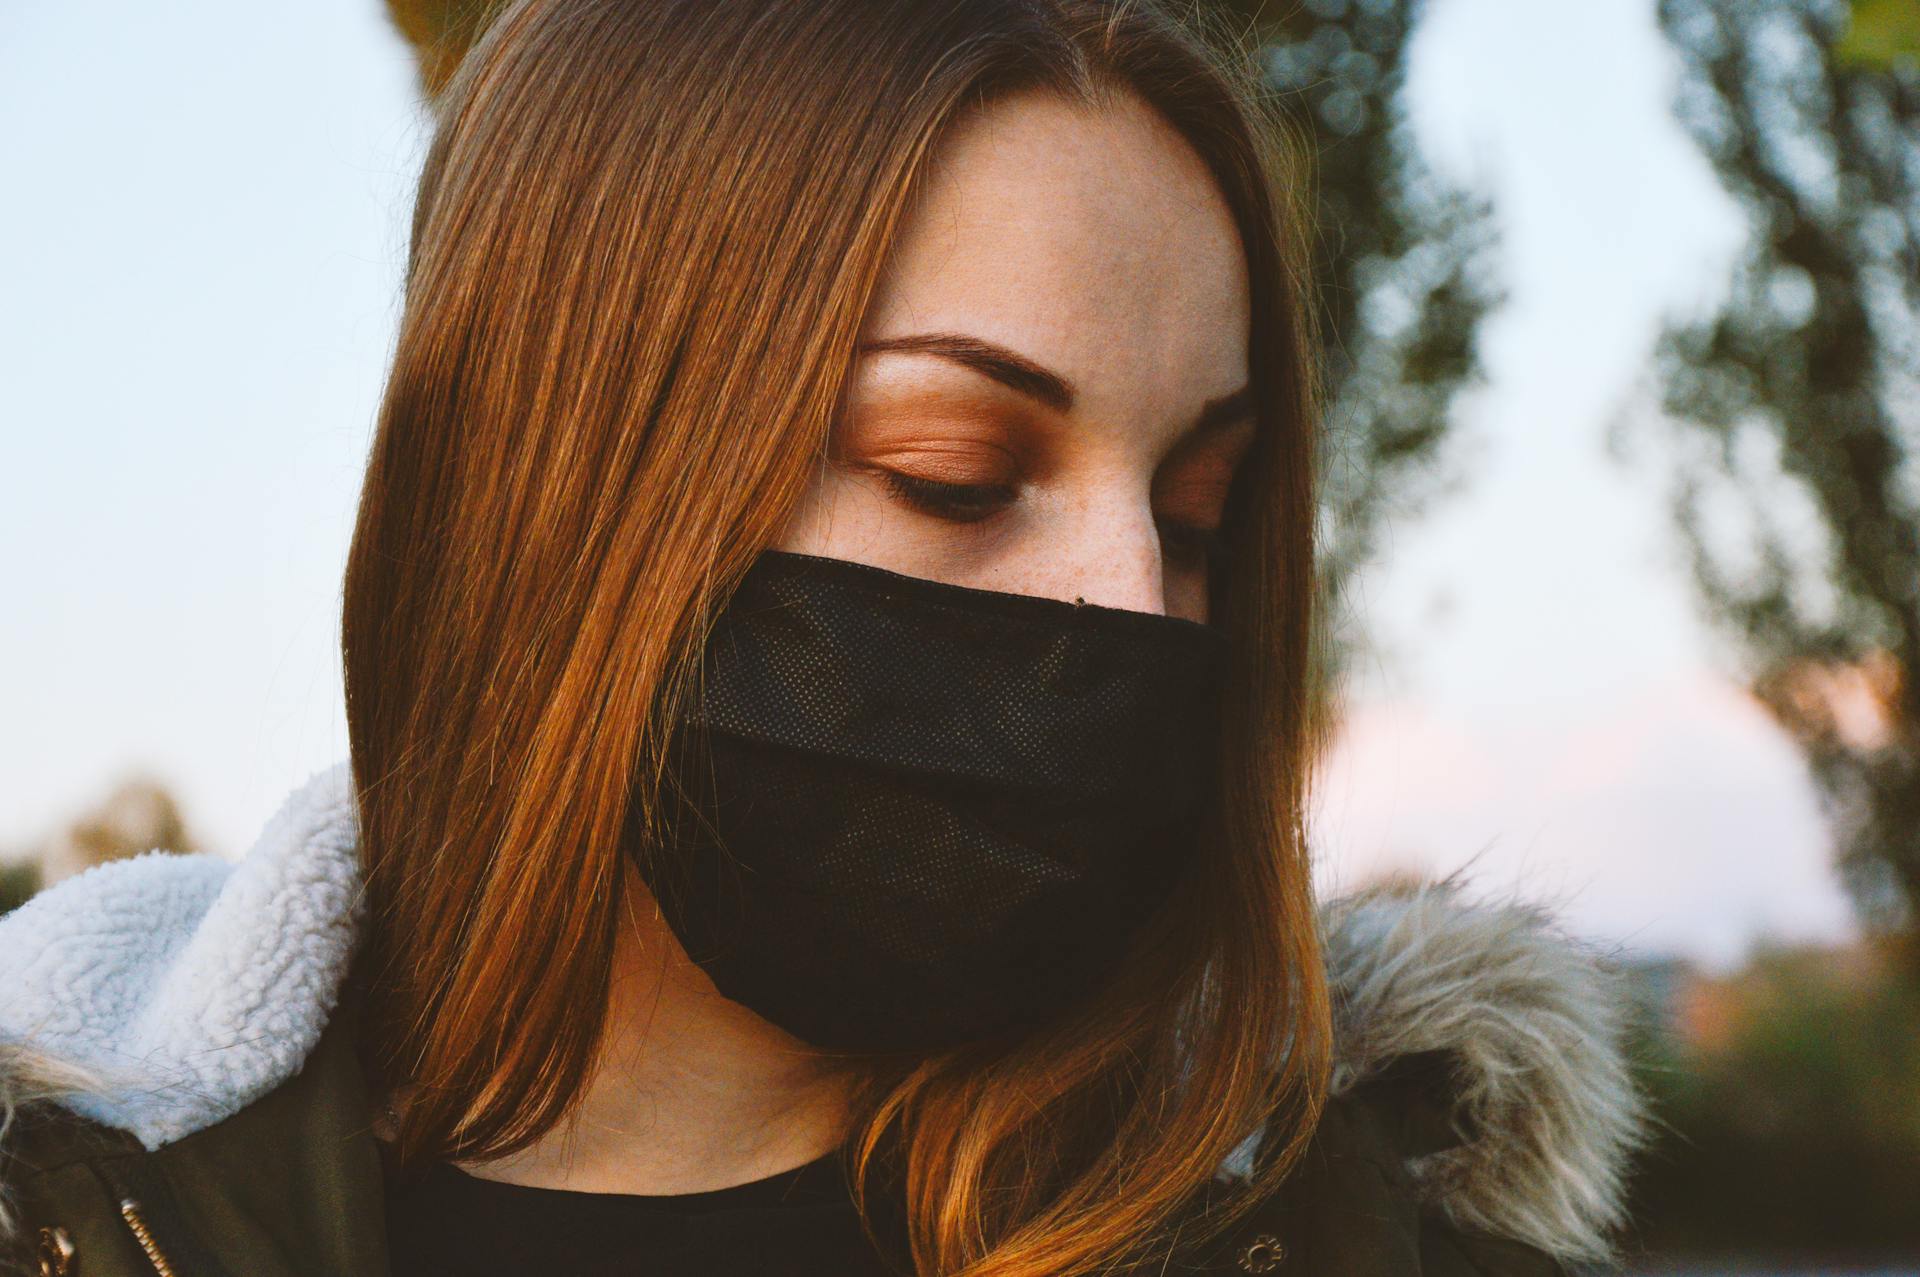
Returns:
(1093, 242)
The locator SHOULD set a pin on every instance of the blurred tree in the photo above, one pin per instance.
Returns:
(440, 32)
(19, 879)
(1882, 32)
(1793, 408)
(1788, 1098)
(1401, 265)
(137, 815)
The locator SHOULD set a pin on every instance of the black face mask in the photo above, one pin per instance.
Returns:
(921, 813)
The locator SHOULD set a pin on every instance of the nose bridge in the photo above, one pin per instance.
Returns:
(1114, 559)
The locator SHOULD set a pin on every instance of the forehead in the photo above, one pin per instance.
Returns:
(1090, 238)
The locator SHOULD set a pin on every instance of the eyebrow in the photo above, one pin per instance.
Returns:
(1017, 372)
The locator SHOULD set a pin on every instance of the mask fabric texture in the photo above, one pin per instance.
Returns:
(919, 813)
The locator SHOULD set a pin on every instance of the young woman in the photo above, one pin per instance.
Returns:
(829, 649)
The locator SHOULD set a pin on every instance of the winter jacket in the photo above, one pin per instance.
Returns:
(177, 1056)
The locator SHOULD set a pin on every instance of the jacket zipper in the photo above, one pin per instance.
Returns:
(130, 1211)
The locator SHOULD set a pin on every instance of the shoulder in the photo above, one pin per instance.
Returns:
(161, 994)
(163, 1017)
(1483, 1111)
(296, 1171)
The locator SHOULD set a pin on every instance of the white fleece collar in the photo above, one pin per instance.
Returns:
(193, 986)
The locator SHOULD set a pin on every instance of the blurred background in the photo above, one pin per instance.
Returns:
(1622, 498)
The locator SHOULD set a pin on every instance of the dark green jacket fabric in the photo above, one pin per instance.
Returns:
(1479, 1126)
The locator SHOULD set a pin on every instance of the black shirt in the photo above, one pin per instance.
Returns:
(802, 1221)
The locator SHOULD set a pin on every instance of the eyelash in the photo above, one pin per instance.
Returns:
(972, 502)
(961, 502)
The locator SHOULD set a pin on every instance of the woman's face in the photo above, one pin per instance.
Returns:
(1051, 394)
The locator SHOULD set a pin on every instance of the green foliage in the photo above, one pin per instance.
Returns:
(1796, 485)
(18, 881)
(440, 31)
(1403, 271)
(1881, 33)
(1799, 1133)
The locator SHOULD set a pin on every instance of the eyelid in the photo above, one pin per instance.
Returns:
(950, 470)
(958, 448)
(1200, 476)
(1234, 438)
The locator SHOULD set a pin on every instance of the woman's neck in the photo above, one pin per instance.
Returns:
(690, 1092)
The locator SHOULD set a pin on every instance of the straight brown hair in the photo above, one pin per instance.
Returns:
(644, 242)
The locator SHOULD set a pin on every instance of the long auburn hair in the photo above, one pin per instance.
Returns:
(645, 237)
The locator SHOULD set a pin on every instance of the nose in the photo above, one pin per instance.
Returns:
(1109, 561)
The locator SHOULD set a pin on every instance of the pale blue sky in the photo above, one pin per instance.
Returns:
(199, 278)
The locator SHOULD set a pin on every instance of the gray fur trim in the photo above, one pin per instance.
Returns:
(1535, 1021)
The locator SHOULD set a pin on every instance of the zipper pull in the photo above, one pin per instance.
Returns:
(130, 1211)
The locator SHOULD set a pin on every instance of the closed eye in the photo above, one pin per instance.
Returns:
(960, 502)
(973, 502)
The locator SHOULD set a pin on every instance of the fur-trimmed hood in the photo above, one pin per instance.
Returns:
(185, 987)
